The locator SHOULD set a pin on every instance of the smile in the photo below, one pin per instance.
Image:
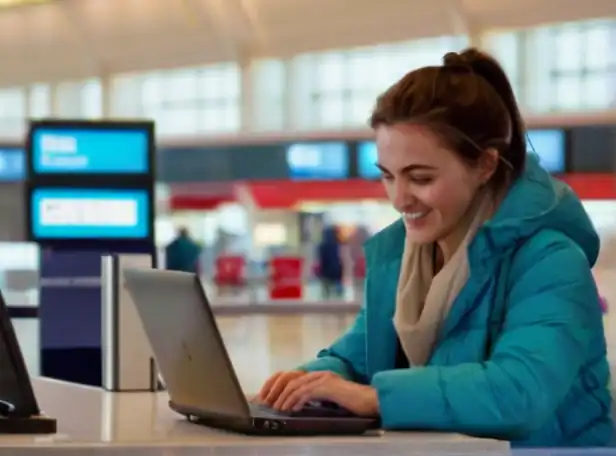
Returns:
(412, 216)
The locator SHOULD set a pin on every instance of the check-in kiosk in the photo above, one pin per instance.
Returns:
(90, 194)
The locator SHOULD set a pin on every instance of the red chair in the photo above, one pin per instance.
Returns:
(285, 281)
(229, 271)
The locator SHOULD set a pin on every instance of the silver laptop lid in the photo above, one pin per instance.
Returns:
(186, 342)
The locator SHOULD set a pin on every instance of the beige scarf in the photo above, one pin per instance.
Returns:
(423, 299)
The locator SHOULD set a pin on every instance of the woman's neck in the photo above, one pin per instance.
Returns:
(450, 243)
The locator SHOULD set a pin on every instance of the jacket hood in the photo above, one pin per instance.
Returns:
(535, 202)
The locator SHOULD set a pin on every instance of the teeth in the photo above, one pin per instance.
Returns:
(414, 215)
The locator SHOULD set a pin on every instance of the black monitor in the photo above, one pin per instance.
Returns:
(15, 386)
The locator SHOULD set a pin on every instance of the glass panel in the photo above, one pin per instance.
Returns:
(269, 79)
(360, 109)
(330, 111)
(229, 118)
(231, 83)
(91, 99)
(152, 90)
(360, 71)
(330, 73)
(210, 119)
(599, 48)
(569, 47)
(181, 86)
(12, 103)
(505, 47)
(40, 101)
(178, 121)
(568, 93)
(597, 90)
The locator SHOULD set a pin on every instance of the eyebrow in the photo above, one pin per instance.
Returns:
(407, 169)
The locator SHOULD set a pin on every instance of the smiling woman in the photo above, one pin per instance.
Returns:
(481, 315)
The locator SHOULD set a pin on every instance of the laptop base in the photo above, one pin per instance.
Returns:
(28, 425)
(280, 426)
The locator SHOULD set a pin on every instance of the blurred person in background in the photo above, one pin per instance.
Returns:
(183, 253)
(481, 315)
(330, 270)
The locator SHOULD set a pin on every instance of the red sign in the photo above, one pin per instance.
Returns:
(286, 277)
(229, 270)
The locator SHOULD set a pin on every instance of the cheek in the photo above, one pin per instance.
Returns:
(449, 199)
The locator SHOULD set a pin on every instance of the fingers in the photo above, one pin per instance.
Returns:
(293, 386)
(296, 397)
(277, 384)
(267, 387)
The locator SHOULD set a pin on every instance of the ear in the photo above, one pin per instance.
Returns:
(487, 164)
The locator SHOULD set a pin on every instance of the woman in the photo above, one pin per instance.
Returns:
(481, 315)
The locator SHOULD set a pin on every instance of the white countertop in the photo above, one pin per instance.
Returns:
(142, 423)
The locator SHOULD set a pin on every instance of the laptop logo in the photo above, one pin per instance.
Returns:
(186, 351)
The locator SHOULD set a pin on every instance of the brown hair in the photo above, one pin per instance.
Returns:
(468, 103)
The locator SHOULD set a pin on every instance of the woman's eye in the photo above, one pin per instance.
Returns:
(421, 180)
(387, 177)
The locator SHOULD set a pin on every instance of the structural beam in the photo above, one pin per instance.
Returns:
(463, 22)
(92, 56)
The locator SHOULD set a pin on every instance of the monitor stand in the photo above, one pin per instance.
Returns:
(13, 423)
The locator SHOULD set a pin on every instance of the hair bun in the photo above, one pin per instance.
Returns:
(456, 61)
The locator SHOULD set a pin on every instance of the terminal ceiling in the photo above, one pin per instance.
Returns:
(54, 40)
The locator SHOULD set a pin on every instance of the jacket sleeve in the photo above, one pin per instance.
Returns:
(552, 312)
(347, 355)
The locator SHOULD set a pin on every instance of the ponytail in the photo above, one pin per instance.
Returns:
(490, 70)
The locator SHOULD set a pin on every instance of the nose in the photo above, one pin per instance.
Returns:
(401, 197)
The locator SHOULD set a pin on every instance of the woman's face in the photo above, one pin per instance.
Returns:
(429, 185)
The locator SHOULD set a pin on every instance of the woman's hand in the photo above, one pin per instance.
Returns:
(359, 399)
(275, 385)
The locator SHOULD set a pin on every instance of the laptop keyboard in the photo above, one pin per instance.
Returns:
(314, 410)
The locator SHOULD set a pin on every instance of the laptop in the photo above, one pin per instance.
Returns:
(195, 365)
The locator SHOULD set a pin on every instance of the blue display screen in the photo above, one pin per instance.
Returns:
(549, 146)
(90, 214)
(12, 165)
(328, 160)
(94, 151)
(366, 160)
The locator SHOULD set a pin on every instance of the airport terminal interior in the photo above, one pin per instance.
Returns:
(255, 151)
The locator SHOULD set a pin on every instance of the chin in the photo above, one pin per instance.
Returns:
(421, 236)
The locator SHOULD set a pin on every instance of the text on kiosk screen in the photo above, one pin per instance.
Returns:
(90, 214)
(90, 152)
